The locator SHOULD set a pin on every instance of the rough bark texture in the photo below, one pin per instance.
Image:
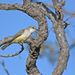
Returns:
(38, 11)
(60, 35)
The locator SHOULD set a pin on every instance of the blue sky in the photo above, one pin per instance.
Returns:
(13, 21)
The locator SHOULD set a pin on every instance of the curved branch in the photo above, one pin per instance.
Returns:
(39, 6)
(38, 11)
(63, 44)
(14, 53)
(33, 11)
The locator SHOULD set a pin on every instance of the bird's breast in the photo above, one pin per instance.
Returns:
(22, 37)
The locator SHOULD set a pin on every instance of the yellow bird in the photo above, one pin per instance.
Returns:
(22, 35)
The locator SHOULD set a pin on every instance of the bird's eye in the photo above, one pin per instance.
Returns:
(33, 27)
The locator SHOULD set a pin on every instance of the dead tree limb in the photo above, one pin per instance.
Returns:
(60, 35)
(38, 11)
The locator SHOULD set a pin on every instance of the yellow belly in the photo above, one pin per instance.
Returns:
(18, 39)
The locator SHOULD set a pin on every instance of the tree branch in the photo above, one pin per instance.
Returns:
(14, 53)
(31, 10)
(38, 11)
(60, 35)
(63, 10)
(4, 67)
(26, 1)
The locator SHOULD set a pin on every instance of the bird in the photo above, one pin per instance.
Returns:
(22, 35)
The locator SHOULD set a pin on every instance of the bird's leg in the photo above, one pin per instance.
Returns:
(21, 43)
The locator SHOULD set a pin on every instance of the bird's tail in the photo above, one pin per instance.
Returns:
(6, 45)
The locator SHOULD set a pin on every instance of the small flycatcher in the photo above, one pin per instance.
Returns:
(22, 35)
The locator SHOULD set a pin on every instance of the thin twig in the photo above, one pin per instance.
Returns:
(14, 53)
(4, 67)
(63, 10)
(70, 17)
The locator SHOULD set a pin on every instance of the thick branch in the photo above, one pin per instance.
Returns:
(39, 6)
(38, 11)
(31, 62)
(60, 35)
(31, 9)
(64, 49)
(26, 1)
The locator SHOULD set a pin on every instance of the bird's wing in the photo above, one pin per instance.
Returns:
(5, 40)
(18, 34)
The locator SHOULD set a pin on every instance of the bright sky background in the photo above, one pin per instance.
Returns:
(12, 21)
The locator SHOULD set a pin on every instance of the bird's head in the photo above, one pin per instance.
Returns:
(32, 29)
